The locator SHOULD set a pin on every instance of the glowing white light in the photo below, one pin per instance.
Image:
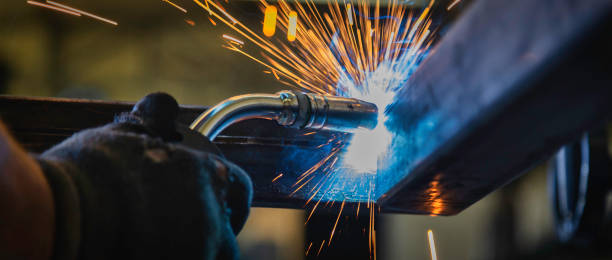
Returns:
(379, 87)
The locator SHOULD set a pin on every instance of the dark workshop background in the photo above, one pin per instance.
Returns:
(45, 53)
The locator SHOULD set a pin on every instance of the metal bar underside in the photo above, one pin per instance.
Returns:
(509, 83)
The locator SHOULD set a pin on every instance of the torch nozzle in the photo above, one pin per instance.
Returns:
(292, 109)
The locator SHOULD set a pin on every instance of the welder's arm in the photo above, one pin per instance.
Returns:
(26, 205)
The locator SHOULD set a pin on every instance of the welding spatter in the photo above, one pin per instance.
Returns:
(291, 109)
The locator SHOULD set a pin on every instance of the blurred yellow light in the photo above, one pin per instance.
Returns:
(269, 21)
(292, 26)
(349, 13)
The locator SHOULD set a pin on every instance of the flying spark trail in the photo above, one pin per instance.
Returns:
(277, 177)
(356, 49)
(190, 22)
(432, 245)
(83, 13)
(452, 5)
(175, 6)
(233, 39)
(53, 8)
(308, 250)
(336, 224)
(321, 247)
(212, 21)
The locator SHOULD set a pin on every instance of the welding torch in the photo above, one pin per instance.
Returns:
(291, 109)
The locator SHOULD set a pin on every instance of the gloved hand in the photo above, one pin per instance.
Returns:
(130, 190)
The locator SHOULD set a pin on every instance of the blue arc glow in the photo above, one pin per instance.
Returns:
(367, 147)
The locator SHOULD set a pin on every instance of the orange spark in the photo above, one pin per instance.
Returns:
(277, 177)
(176, 6)
(232, 39)
(275, 75)
(452, 5)
(321, 247)
(336, 224)
(301, 186)
(312, 211)
(212, 21)
(234, 21)
(308, 250)
(53, 8)
(83, 13)
(190, 22)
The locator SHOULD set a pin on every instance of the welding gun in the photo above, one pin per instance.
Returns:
(291, 109)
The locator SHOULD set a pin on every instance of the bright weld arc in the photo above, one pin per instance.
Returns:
(83, 13)
(54, 8)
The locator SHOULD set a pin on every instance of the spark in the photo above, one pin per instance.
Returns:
(321, 247)
(190, 22)
(372, 232)
(269, 26)
(212, 21)
(83, 13)
(432, 245)
(308, 250)
(234, 21)
(312, 212)
(277, 177)
(275, 75)
(176, 6)
(53, 8)
(233, 39)
(336, 224)
(452, 5)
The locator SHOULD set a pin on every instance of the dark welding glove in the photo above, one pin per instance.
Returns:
(130, 190)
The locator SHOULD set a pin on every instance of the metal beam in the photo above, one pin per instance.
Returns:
(509, 83)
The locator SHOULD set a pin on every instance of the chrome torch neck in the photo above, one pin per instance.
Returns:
(293, 109)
